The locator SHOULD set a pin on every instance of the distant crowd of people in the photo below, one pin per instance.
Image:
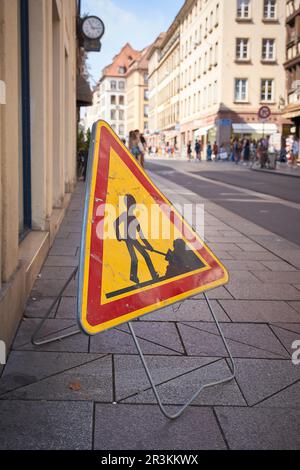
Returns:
(246, 151)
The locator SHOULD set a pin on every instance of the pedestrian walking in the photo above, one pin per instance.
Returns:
(283, 152)
(215, 151)
(142, 145)
(189, 151)
(198, 150)
(208, 152)
(236, 151)
(246, 151)
(133, 144)
(294, 151)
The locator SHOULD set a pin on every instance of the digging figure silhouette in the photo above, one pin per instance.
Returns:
(133, 239)
(181, 259)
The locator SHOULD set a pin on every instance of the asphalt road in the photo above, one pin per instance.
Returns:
(278, 216)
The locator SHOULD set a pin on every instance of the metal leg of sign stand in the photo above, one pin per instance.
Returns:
(40, 341)
(195, 395)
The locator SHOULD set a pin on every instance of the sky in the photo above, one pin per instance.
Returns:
(133, 21)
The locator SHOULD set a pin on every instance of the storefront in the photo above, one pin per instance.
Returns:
(253, 130)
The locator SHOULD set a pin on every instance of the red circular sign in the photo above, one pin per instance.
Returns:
(264, 112)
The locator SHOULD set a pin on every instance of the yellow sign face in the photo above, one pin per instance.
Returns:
(137, 253)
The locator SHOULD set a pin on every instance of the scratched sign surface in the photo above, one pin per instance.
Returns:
(137, 253)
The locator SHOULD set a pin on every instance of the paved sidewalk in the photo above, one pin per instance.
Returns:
(63, 395)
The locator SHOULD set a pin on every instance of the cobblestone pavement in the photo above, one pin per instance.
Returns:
(92, 392)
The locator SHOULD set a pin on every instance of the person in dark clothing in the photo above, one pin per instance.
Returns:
(134, 239)
(198, 150)
(189, 151)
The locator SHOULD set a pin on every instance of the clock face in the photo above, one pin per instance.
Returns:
(93, 27)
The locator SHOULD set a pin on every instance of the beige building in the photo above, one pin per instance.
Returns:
(137, 100)
(153, 60)
(231, 63)
(37, 141)
(167, 71)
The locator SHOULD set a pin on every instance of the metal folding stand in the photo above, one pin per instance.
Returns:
(202, 387)
(46, 340)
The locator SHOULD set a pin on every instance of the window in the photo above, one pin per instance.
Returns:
(146, 95)
(121, 129)
(121, 85)
(146, 127)
(121, 70)
(267, 89)
(113, 114)
(113, 85)
(121, 100)
(146, 110)
(268, 49)
(242, 49)
(121, 115)
(241, 89)
(113, 99)
(269, 9)
(243, 9)
(146, 78)
(217, 15)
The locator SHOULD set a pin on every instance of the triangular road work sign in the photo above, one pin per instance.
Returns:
(137, 253)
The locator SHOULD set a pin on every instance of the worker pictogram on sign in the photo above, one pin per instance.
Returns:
(137, 252)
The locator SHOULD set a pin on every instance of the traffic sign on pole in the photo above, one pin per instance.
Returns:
(264, 113)
(137, 252)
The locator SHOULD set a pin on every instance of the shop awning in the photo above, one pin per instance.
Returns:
(84, 94)
(203, 130)
(255, 128)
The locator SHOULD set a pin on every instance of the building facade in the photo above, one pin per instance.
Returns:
(167, 103)
(292, 64)
(137, 96)
(109, 96)
(37, 141)
(231, 64)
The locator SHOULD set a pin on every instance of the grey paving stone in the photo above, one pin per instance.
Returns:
(162, 333)
(286, 336)
(67, 308)
(189, 310)
(240, 265)
(284, 277)
(295, 305)
(26, 367)
(215, 294)
(51, 328)
(63, 249)
(260, 429)
(62, 261)
(261, 311)
(38, 307)
(53, 273)
(260, 291)
(259, 379)
(121, 342)
(241, 276)
(256, 256)
(91, 381)
(279, 266)
(181, 389)
(141, 427)
(229, 247)
(52, 288)
(244, 340)
(287, 398)
(31, 425)
(130, 376)
(251, 247)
